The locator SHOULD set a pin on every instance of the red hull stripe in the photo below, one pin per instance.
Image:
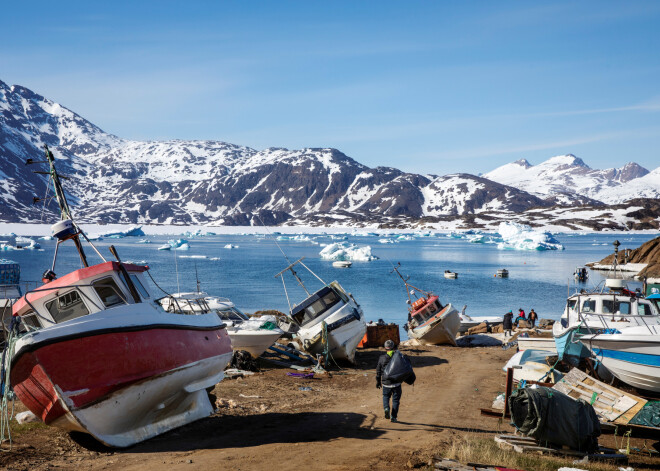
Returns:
(74, 277)
(88, 369)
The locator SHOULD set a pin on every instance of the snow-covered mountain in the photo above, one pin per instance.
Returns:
(567, 179)
(182, 182)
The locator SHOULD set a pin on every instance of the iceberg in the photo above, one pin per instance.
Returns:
(179, 244)
(522, 237)
(385, 241)
(346, 251)
(231, 246)
(192, 256)
(143, 241)
(134, 231)
(297, 238)
(47, 238)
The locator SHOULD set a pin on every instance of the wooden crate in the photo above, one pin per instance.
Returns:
(377, 335)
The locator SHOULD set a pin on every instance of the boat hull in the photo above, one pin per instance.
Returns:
(122, 386)
(537, 343)
(633, 359)
(342, 339)
(440, 329)
(253, 341)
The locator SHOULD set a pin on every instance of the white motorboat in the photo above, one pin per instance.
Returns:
(451, 275)
(467, 321)
(632, 354)
(502, 273)
(612, 307)
(546, 344)
(330, 321)
(430, 322)
(342, 264)
(532, 365)
(252, 334)
(581, 274)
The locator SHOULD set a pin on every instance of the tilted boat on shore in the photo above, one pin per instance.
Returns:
(632, 354)
(252, 334)
(430, 322)
(329, 320)
(95, 354)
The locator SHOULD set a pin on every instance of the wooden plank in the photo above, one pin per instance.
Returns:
(610, 403)
(530, 445)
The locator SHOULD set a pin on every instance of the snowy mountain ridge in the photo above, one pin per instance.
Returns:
(192, 182)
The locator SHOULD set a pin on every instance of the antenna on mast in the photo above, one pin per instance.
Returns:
(66, 228)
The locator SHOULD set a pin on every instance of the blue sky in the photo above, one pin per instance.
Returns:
(433, 86)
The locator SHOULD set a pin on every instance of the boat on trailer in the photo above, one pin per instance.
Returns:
(329, 320)
(95, 354)
(429, 321)
(251, 334)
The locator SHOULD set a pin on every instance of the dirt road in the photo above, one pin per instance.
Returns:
(269, 423)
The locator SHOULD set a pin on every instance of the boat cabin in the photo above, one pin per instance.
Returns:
(598, 309)
(202, 303)
(81, 292)
(320, 304)
(425, 310)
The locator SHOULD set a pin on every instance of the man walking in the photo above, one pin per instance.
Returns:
(389, 389)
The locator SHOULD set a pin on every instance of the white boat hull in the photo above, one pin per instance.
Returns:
(342, 341)
(441, 330)
(537, 343)
(253, 341)
(149, 408)
(633, 355)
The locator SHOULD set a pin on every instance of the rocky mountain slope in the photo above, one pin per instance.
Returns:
(184, 182)
(648, 252)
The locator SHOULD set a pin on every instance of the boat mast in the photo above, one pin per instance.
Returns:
(65, 210)
(408, 285)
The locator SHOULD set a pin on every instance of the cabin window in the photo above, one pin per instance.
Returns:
(139, 286)
(433, 308)
(643, 309)
(589, 305)
(66, 307)
(622, 307)
(314, 310)
(31, 320)
(231, 315)
(330, 299)
(109, 292)
(571, 304)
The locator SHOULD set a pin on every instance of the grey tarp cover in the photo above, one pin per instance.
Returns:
(398, 369)
(553, 417)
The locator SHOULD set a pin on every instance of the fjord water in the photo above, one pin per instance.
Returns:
(537, 279)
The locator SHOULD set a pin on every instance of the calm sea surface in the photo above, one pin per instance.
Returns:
(538, 279)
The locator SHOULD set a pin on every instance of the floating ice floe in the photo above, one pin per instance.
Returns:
(143, 241)
(179, 244)
(522, 237)
(346, 251)
(231, 246)
(134, 231)
(47, 238)
(405, 237)
(297, 238)
(192, 256)
(385, 241)
(19, 243)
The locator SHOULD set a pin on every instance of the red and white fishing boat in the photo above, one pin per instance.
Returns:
(98, 355)
(430, 322)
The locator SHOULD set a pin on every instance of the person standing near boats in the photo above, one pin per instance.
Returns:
(531, 317)
(390, 379)
(507, 323)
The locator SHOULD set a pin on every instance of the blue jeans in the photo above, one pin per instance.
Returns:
(396, 397)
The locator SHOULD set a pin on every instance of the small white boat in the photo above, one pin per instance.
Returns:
(531, 365)
(502, 273)
(329, 319)
(581, 274)
(252, 334)
(451, 275)
(546, 344)
(468, 321)
(342, 264)
(430, 322)
(632, 355)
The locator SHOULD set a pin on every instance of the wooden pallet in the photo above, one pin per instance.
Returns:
(521, 444)
(610, 403)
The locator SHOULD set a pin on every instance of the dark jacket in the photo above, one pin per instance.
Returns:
(382, 363)
(532, 316)
(507, 324)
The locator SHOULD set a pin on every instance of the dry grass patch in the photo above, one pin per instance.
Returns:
(467, 449)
